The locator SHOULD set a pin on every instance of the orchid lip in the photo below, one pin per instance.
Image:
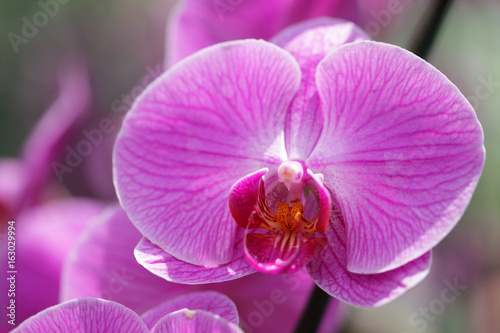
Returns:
(282, 241)
(272, 252)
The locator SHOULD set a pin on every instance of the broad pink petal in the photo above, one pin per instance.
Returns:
(309, 42)
(209, 301)
(45, 145)
(329, 271)
(159, 262)
(102, 264)
(402, 150)
(200, 127)
(197, 321)
(83, 316)
(44, 236)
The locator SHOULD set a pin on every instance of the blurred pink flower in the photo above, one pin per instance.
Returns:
(23, 180)
(45, 228)
(388, 149)
(196, 24)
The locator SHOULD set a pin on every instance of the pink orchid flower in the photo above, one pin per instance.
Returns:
(325, 150)
(196, 312)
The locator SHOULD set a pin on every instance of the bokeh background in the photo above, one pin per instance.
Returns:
(123, 41)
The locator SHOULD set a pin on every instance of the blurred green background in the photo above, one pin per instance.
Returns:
(120, 40)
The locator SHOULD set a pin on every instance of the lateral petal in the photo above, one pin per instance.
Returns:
(196, 130)
(402, 150)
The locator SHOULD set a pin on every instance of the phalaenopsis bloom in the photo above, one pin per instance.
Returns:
(321, 150)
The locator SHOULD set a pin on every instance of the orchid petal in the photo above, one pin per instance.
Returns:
(102, 264)
(200, 127)
(209, 301)
(401, 149)
(329, 271)
(82, 316)
(194, 321)
(309, 42)
(159, 262)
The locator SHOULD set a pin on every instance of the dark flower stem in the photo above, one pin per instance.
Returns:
(426, 38)
(311, 317)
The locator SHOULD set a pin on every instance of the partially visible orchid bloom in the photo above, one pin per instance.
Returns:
(196, 24)
(45, 227)
(327, 151)
(102, 265)
(197, 312)
(23, 180)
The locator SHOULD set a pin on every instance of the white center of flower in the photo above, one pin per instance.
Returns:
(290, 172)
